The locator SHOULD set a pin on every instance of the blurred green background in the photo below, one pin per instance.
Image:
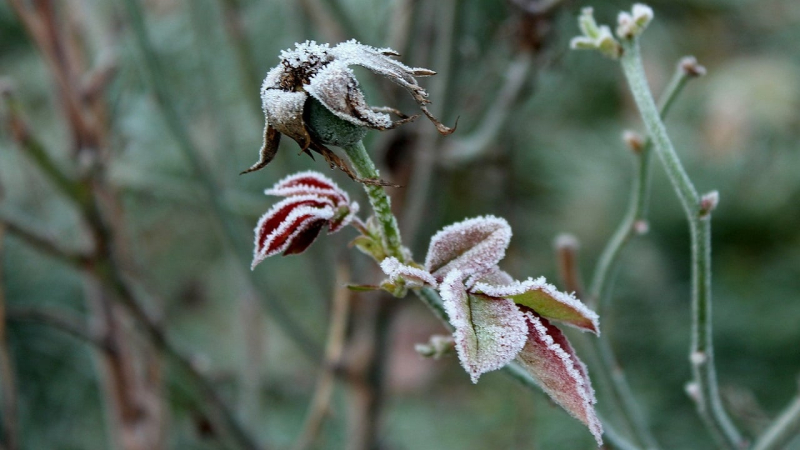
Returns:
(543, 125)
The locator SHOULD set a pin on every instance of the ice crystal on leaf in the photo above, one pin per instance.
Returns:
(496, 318)
(318, 72)
(473, 246)
(312, 202)
(489, 331)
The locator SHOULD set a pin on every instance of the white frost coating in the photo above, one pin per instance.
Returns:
(540, 284)
(584, 390)
(413, 276)
(473, 246)
(301, 184)
(336, 87)
(489, 332)
(315, 214)
(284, 110)
(309, 52)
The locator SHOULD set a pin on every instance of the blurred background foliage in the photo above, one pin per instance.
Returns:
(538, 142)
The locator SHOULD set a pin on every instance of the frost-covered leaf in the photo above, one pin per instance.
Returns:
(473, 246)
(550, 359)
(413, 276)
(489, 332)
(546, 300)
(291, 226)
(307, 183)
(310, 183)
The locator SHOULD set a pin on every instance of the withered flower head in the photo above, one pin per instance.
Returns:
(314, 74)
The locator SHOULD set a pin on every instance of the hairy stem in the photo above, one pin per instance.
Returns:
(378, 198)
(709, 403)
(599, 291)
(782, 430)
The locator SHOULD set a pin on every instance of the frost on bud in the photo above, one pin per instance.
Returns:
(473, 246)
(691, 67)
(693, 391)
(698, 358)
(708, 203)
(595, 37)
(313, 97)
(551, 360)
(641, 227)
(489, 332)
(312, 202)
(633, 141)
(631, 25)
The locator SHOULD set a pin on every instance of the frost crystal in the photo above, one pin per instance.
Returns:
(473, 246)
(291, 225)
(414, 276)
(321, 72)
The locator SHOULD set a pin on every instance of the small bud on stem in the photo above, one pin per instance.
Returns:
(691, 67)
(708, 203)
(634, 141)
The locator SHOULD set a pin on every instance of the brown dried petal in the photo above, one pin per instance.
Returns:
(284, 111)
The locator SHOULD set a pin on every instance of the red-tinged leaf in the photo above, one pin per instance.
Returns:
(414, 276)
(290, 226)
(310, 183)
(546, 300)
(473, 246)
(302, 240)
(489, 332)
(552, 362)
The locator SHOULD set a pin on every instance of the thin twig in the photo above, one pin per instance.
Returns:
(62, 320)
(599, 292)
(468, 148)
(40, 241)
(424, 163)
(709, 403)
(318, 409)
(8, 384)
(782, 430)
(231, 229)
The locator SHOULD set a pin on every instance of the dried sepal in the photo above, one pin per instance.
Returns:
(473, 246)
(413, 276)
(489, 332)
(546, 300)
(553, 364)
(269, 148)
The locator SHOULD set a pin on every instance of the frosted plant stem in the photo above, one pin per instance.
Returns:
(782, 430)
(704, 383)
(380, 202)
(599, 291)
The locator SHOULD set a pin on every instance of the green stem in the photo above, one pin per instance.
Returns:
(380, 202)
(599, 292)
(782, 430)
(709, 403)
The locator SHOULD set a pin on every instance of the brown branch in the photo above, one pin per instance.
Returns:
(337, 330)
(8, 383)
